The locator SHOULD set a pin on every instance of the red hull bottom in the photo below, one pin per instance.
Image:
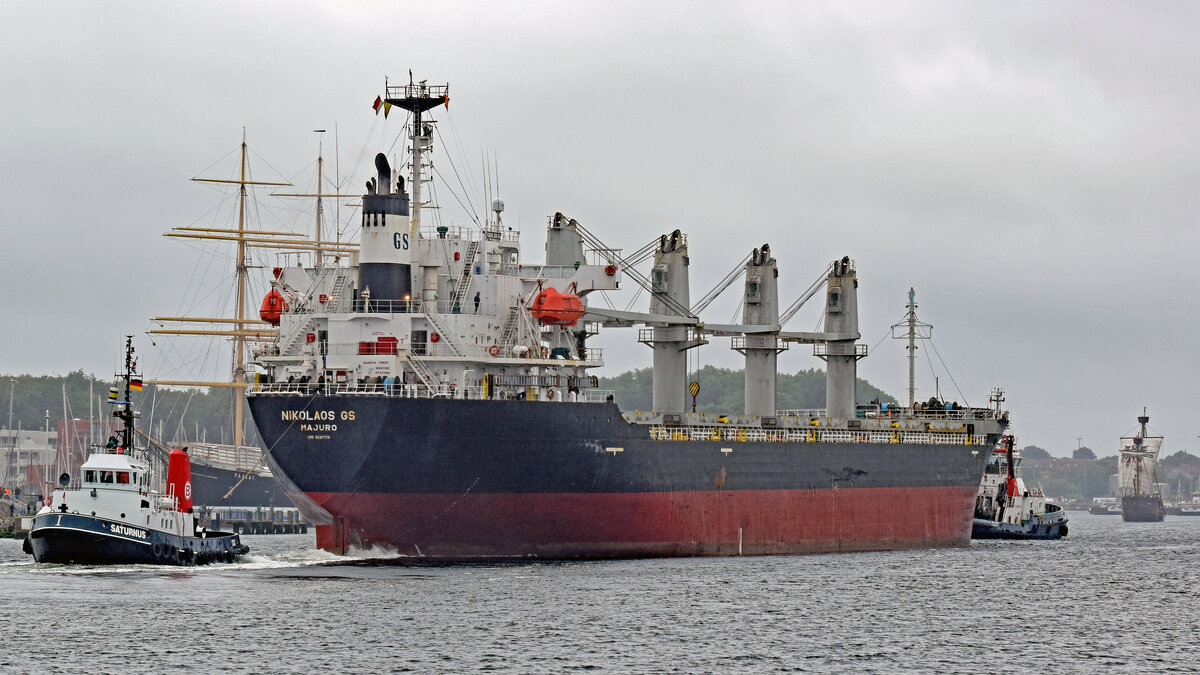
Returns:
(629, 525)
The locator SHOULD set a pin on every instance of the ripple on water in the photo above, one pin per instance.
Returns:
(1114, 595)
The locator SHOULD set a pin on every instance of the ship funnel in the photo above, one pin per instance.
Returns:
(385, 173)
(179, 479)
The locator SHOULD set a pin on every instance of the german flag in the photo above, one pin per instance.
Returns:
(135, 383)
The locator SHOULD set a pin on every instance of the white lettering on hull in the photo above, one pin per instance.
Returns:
(127, 531)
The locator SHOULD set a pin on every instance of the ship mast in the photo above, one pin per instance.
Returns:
(321, 247)
(244, 328)
(1143, 420)
(418, 98)
(916, 331)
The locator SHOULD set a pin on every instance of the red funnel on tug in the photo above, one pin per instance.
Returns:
(556, 309)
(179, 479)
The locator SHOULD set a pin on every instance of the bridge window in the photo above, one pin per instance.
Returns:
(123, 477)
(89, 476)
(106, 476)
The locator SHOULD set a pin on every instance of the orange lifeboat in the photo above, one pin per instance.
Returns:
(272, 307)
(557, 309)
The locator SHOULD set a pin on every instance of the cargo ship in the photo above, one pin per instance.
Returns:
(435, 397)
(1141, 501)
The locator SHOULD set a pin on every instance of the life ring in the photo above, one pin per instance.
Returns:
(550, 394)
(610, 270)
(494, 350)
(434, 337)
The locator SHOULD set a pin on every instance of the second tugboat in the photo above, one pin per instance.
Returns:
(114, 517)
(1007, 509)
(1141, 501)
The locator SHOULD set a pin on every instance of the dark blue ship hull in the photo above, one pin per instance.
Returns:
(463, 478)
(210, 485)
(89, 540)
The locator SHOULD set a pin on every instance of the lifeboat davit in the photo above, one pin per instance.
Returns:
(272, 307)
(557, 309)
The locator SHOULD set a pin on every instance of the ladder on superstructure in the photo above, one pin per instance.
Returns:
(422, 371)
(335, 296)
(464, 277)
(448, 335)
(513, 327)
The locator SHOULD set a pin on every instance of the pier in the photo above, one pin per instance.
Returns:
(254, 520)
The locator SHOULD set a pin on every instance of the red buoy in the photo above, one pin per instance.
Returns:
(556, 309)
(179, 479)
(272, 307)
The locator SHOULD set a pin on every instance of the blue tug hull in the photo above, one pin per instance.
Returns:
(89, 540)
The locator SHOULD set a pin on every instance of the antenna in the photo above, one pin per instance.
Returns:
(916, 331)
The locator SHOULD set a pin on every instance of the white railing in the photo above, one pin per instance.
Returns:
(393, 390)
(239, 457)
(733, 434)
(962, 414)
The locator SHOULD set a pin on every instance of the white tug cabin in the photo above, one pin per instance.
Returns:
(115, 486)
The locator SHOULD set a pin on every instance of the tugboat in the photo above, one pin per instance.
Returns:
(1140, 498)
(1006, 509)
(114, 515)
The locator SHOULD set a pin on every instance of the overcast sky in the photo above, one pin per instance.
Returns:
(1030, 168)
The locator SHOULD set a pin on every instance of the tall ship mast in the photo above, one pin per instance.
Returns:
(219, 467)
(1141, 501)
(437, 398)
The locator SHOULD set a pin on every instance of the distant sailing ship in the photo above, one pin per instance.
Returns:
(1141, 501)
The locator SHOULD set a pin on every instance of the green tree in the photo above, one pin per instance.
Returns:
(1083, 452)
(1034, 452)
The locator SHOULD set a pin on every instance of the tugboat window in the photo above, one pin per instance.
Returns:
(123, 477)
(106, 476)
(89, 476)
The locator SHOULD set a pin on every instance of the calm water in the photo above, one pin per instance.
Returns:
(1114, 596)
